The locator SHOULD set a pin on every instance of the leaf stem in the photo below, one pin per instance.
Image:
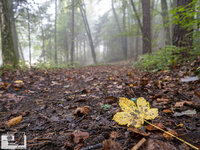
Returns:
(173, 135)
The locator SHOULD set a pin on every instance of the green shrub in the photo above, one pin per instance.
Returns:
(162, 59)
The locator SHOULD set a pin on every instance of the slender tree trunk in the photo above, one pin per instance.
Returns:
(136, 45)
(183, 37)
(29, 38)
(119, 29)
(87, 27)
(55, 37)
(136, 14)
(84, 49)
(8, 52)
(43, 44)
(165, 18)
(66, 47)
(21, 52)
(125, 44)
(146, 26)
(72, 31)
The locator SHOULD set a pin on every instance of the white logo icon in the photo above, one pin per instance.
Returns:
(8, 141)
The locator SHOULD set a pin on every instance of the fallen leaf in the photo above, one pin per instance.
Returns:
(138, 131)
(197, 93)
(187, 112)
(82, 110)
(163, 100)
(110, 100)
(131, 85)
(78, 136)
(113, 135)
(153, 144)
(18, 81)
(111, 145)
(169, 137)
(14, 121)
(181, 104)
(167, 111)
(180, 125)
(151, 128)
(190, 79)
(144, 81)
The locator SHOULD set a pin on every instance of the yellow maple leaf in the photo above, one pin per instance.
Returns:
(133, 114)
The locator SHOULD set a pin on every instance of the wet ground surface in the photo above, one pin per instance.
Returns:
(73, 109)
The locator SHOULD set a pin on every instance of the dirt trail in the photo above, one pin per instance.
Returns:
(47, 100)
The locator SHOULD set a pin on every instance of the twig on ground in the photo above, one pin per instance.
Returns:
(137, 146)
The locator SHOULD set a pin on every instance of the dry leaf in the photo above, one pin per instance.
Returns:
(131, 85)
(197, 93)
(181, 104)
(110, 100)
(14, 121)
(82, 110)
(79, 136)
(113, 135)
(111, 145)
(169, 137)
(19, 81)
(136, 130)
(154, 144)
(151, 128)
(167, 111)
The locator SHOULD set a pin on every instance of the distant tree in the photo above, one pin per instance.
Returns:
(29, 37)
(183, 36)
(8, 51)
(123, 39)
(165, 18)
(146, 32)
(88, 31)
(72, 31)
(55, 37)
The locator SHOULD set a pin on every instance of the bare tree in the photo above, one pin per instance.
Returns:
(29, 36)
(87, 28)
(55, 31)
(72, 31)
(123, 40)
(165, 18)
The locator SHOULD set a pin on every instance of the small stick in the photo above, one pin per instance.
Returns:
(137, 146)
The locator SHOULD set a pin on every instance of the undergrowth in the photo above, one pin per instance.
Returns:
(164, 59)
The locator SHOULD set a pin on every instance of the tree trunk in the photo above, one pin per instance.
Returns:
(72, 31)
(125, 42)
(136, 14)
(84, 50)
(146, 26)
(120, 30)
(8, 52)
(183, 37)
(87, 27)
(165, 18)
(43, 44)
(55, 37)
(14, 31)
(29, 38)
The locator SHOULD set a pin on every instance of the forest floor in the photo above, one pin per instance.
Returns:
(73, 109)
